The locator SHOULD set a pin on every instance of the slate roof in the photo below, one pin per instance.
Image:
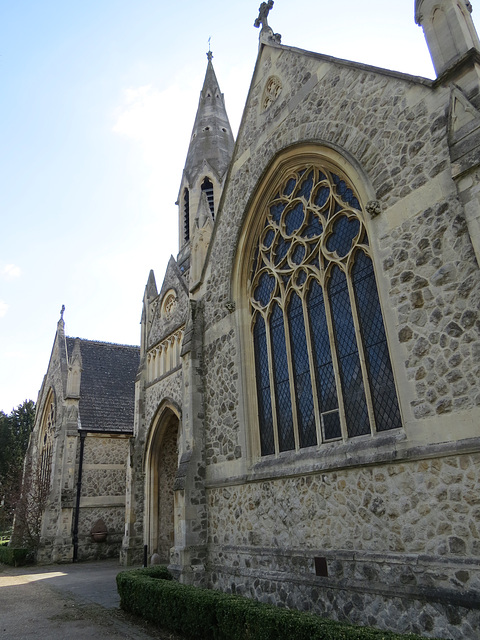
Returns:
(107, 387)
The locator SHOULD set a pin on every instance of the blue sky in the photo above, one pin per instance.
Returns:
(98, 102)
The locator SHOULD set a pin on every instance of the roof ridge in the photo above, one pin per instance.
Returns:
(111, 344)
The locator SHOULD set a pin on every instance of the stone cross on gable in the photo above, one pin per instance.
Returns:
(263, 12)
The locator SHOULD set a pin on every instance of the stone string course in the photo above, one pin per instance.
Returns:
(354, 600)
(430, 507)
(389, 526)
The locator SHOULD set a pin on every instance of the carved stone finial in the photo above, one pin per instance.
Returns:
(62, 311)
(373, 208)
(263, 12)
(266, 34)
(209, 56)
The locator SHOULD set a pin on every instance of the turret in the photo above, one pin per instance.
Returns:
(208, 158)
(449, 30)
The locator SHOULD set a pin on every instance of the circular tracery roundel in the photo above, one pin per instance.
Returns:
(169, 304)
(314, 219)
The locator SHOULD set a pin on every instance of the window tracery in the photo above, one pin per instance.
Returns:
(273, 88)
(46, 442)
(169, 304)
(322, 364)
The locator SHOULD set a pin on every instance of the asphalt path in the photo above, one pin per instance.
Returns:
(67, 602)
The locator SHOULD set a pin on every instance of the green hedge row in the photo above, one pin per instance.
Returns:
(15, 556)
(203, 614)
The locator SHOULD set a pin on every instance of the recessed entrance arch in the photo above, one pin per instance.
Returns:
(161, 468)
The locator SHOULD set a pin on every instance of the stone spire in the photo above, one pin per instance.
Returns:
(449, 30)
(208, 158)
(212, 139)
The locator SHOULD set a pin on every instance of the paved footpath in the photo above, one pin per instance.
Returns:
(67, 602)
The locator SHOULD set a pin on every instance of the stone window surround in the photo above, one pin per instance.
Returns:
(273, 177)
(46, 438)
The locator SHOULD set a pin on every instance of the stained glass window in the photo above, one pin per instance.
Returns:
(322, 365)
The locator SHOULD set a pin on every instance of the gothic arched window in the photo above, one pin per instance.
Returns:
(322, 364)
(207, 188)
(46, 442)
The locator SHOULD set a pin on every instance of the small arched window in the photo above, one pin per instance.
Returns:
(186, 215)
(322, 363)
(46, 442)
(207, 188)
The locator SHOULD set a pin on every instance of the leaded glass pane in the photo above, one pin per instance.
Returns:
(322, 355)
(265, 417)
(281, 250)
(265, 288)
(314, 227)
(354, 400)
(289, 187)
(345, 192)
(276, 211)
(306, 187)
(294, 218)
(301, 371)
(344, 231)
(281, 377)
(380, 375)
(290, 261)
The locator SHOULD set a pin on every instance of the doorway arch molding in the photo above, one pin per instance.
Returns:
(160, 465)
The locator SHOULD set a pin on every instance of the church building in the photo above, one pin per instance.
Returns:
(306, 422)
(73, 501)
(307, 412)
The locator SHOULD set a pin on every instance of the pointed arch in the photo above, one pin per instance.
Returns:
(207, 188)
(46, 441)
(161, 463)
(314, 322)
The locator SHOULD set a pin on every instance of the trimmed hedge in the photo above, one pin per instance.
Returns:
(204, 614)
(15, 556)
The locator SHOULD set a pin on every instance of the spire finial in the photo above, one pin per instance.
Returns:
(209, 53)
(62, 311)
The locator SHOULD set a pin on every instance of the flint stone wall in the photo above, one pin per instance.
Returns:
(394, 537)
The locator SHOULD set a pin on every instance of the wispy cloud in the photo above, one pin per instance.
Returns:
(3, 308)
(10, 271)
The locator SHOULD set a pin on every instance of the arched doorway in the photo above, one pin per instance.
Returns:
(162, 464)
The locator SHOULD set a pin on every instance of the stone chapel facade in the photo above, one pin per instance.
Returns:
(75, 467)
(307, 406)
(306, 422)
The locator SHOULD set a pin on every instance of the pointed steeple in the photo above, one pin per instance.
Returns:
(148, 310)
(212, 138)
(208, 158)
(151, 288)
